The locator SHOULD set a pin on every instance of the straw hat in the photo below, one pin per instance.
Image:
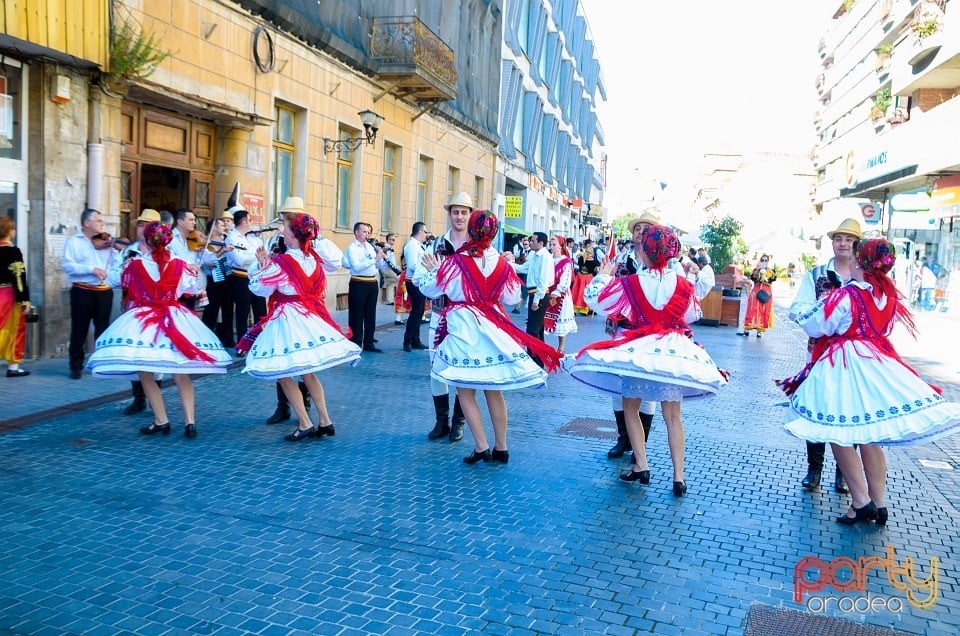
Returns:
(294, 205)
(462, 199)
(647, 217)
(148, 216)
(226, 214)
(848, 226)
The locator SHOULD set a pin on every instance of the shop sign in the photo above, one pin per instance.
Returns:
(871, 215)
(513, 207)
(870, 163)
(253, 204)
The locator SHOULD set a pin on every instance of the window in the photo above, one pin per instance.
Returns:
(478, 192)
(518, 128)
(344, 179)
(281, 164)
(390, 159)
(424, 173)
(453, 182)
(523, 27)
(10, 107)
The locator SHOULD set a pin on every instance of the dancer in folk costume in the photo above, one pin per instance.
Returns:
(558, 318)
(158, 334)
(14, 300)
(298, 336)
(874, 397)
(657, 358)
(587, 267)
(477, 345)
(759, 316)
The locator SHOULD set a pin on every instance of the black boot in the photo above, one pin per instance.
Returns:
(139, 403)
(646, 419)
(305, 392)
(839, 485)
(456, 426)
(623, 439)
(815, 452)
(282, 414)
(441, 404)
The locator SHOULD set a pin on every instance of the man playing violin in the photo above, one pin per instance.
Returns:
(87, 257)
(185, 226)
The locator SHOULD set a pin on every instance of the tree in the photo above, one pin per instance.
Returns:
(723, 237)
(620, 226)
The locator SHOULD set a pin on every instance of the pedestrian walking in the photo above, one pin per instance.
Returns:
(14, 300)
(759, 316)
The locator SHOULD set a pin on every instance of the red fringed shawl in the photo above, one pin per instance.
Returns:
(482, 295)
(152, 301)
(646, 319)
(870, 324)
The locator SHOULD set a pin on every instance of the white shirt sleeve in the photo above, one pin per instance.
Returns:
(816, 323)
(329, 252)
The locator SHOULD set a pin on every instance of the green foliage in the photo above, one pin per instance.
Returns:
(809, 261)
(620, 226)
(848, 4)
(925, 27)
(884, 49)
(724, 241)
(133, 54)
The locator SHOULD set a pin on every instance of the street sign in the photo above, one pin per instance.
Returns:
(513, 207)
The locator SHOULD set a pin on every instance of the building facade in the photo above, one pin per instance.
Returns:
(889, 123)
(551, 161)
(264, 93)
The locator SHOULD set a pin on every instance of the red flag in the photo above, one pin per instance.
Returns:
(612, 249)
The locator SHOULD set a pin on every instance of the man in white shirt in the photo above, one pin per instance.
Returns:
(87, 258)
(240, 258)
(391, 272)
(412, 255)
(364, 262)
(539, 271)
(185, 222)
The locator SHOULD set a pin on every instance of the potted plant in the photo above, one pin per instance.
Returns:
(883, 53)
(925, 26)
(881, 102)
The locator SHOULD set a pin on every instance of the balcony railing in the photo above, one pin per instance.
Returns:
(413, 59)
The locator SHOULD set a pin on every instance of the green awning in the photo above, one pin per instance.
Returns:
(510, 229)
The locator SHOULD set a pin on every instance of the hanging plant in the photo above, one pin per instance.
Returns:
(925, 27)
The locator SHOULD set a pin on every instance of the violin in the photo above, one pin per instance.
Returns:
(196, 240)
(102, 240)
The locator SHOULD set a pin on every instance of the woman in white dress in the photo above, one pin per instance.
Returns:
(157, 334)
(559, 317)
(298, 336)
(477, 346)
(874, 397)
(657, 360)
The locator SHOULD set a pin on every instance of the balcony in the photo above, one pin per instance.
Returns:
(927, 54)
(412, 61)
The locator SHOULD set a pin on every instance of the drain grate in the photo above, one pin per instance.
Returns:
(767, 620)
(590, 427)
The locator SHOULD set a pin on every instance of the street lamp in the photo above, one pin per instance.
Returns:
(371, 124)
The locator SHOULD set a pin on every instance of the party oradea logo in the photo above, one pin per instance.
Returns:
(842, 583)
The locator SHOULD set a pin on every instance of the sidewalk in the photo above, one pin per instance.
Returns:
(378, 531)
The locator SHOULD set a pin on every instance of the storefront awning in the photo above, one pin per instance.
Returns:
(877, 187)
(510, 229)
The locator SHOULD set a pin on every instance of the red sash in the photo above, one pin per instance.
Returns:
(482, 295)
(555, 303)
(152, 300)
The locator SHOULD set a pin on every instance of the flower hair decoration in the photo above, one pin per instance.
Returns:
(157, 234)
(875, 255)
(660, 245)
(304, 227)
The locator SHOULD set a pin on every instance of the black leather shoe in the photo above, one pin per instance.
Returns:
(812, 480)
(156, 428)
(420, 346)
(679, 488)
(19, 373)
(326, 430)
(440, 430)
(300, 434)
(456, 434)
(280, 415)
(190, 431)
(137, 406)
(882, 516)
(398, 322)
(373, 349)
(477, 456)
(643, 476)
(502, 456)
(867, 513)
(839, 485)
(75, 374)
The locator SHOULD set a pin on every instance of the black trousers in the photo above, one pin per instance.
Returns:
(87, 305)
(411, 335)
(220, 296)
(362, 299)
(535, 318)
(244, 300)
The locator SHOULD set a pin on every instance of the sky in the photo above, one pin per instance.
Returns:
(701, 76)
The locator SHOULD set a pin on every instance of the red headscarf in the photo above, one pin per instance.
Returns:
(157, 236)
(660, 245)
(482, 227)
